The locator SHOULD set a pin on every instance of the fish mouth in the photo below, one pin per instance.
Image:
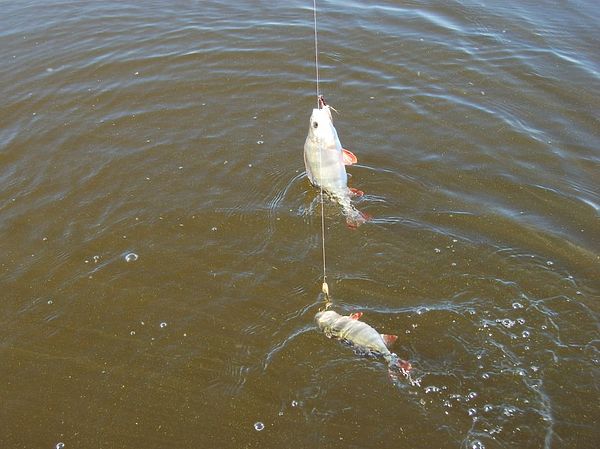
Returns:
(322, 102)
(323, 105)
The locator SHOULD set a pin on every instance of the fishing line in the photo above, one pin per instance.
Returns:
(324, 287)
(316, 51)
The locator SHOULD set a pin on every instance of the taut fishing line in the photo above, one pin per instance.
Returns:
(324, 287)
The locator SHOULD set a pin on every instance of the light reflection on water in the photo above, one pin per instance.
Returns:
(161, 259)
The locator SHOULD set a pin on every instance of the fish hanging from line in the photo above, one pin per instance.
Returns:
(362, 337)
(325, 161)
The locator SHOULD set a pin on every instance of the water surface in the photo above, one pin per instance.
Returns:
(160, 255)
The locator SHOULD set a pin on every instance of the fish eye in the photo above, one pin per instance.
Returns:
(315, 124)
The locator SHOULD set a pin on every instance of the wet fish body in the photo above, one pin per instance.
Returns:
(325, 161)
(323, 156)
(360, 335)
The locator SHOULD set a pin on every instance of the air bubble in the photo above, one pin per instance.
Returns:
(163, 325)
(472, 395)
(294, 403)
(487, 408)
(131, 257)
(432, 389)
(517, 305)
(472, 412)
(60, 445)
(477, 445)
(506, 322)
(258, 426)
(525, 334)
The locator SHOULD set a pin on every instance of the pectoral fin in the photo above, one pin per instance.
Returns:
(356, 315)
(349, 157)
(389, 339)
(356, 192)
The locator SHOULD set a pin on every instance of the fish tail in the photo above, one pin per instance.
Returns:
(354, 218)
(397, 364)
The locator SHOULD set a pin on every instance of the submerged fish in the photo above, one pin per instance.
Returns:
(325, 161)
(361, 336)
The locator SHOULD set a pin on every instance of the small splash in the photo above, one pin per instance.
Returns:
(295, 403)
(258, 426)
(517, 305)
(163, 325)
(472, 411)
(432, 389)
(472, 395)
(506, 322)
(131, 257)
(476, 444)
(59, 445)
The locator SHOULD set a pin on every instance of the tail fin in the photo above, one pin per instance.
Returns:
(397, 367)
(354, 218)
(396, 363)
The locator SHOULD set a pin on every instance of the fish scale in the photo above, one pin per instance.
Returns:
(325, 161)
(361, 336)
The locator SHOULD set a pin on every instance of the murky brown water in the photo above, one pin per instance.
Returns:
(160, 251)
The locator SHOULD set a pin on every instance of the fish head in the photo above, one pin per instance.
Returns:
(321, 127)
(326, 319)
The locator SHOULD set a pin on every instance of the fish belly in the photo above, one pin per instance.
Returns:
(360, 334)
(325, 168)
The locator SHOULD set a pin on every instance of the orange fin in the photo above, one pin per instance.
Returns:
(356, 315)
(349, 157)
(389, 339)
(356, 192)
(354, 222)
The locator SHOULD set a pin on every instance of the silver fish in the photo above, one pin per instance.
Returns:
(361, 336)
(325, 161)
